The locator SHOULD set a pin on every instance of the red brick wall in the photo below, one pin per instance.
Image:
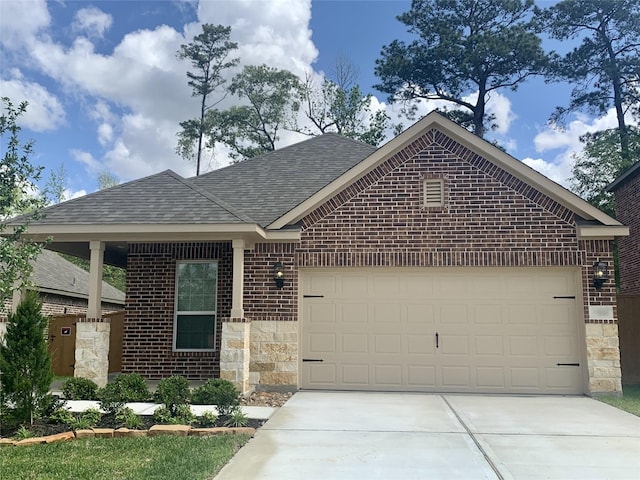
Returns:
(53, 304)
(148, 329)
(490, 218)
(628, 213)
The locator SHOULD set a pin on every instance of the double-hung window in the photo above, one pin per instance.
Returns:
(194, 326)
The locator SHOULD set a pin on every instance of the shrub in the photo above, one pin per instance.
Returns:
(127, 418)
(62, 416)
(124, 389)
(80, 389)
(207, 419)
(237, 418)
(173, 392)
(183, 415)
(25, 361)
(91, 417)
(221, 393)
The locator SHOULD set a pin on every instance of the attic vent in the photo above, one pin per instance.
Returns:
(434, 192)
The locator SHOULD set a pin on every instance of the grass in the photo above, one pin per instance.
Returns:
(629, 401)
(155, 458)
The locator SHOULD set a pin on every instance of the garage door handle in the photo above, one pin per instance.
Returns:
(437, 340)
(568, 364)
(312, 360)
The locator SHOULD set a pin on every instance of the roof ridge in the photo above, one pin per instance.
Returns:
(218, 201)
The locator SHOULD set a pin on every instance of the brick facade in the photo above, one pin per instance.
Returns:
(53, 304)
(490, 218)
(148, 331)
(627, 197)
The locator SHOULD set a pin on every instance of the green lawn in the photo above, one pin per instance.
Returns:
(629, 401)
(155, 458)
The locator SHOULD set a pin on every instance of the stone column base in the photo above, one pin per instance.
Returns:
(92, 350)
(234, 354)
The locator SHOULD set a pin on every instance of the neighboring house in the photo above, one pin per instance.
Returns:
(434, 263)
(626, 189)
(63, 287)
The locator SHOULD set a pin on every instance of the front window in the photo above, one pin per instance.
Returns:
(196, 293)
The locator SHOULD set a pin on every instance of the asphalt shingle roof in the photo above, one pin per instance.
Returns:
(258, 190)
(54, 273)
(268, 186)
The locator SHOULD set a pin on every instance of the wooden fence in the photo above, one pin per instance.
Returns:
(62, 342)
(629, 332)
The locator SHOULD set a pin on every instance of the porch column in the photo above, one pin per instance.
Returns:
(237, 305)
(94, 309)
(16, 296)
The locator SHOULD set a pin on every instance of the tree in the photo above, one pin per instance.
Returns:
(106, 180)
(17, 177)
(252, 129)
(465, 48)
(332, 107)
(605, 67)
(25, 361)
(600, 163)
(208, 53)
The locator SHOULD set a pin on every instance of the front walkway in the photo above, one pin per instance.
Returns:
(349, 435)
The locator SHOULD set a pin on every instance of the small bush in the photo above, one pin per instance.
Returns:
(221, 393)
(124, 389)
(51, 403)
(62, 416)
(183, 416)
(237, 418)
(80, 389)
(23, 433)
(173, 392)
(207, 419)
(92, 416)
(128, 419)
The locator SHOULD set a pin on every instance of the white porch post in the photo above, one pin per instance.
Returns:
(16, 297)
(237, 306)
(94, 309)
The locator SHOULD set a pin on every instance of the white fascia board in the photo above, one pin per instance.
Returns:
(601, 232)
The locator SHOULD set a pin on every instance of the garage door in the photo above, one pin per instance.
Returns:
(454, 330)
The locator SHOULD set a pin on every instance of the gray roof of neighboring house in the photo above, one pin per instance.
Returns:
(258, 190)
(54, 274)
(624, 177)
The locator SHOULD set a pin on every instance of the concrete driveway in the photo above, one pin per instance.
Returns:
(349, 435)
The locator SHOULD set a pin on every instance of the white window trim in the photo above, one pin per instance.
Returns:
(205, 312)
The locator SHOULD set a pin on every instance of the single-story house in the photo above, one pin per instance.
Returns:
(436, 262)
(63, 287)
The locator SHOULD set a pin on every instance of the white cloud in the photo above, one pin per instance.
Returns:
(92, 165)
(558, 172)
(44, 112)
(92, 21)
(20, 20)
(71, 194)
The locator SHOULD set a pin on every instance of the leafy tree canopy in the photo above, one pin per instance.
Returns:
(270, 104)
(17, 178)
(605, 67)
(600, 163)
(463, 48)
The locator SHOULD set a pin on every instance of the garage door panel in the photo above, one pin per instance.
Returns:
(453, 313)
(498, 330)
(355, 374)
(355, 343)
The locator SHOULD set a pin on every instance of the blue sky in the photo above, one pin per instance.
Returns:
(106, 91)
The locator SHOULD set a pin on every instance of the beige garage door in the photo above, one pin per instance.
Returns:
(454, 330)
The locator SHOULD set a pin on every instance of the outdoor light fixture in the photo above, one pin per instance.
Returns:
(278, 274)
(600, 274)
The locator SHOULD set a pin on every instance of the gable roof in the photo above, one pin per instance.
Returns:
(54, 274)
(627, 175)
(266, 196)
(597, 224)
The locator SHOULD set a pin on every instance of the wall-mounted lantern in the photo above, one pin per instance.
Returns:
(278, 274)
(600, 274)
